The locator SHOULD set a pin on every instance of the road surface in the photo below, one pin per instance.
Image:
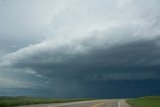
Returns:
(94, 103)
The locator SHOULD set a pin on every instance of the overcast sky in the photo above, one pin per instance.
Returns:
(80, 48)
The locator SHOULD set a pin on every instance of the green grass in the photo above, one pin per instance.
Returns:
(151, 101)
(16, 101)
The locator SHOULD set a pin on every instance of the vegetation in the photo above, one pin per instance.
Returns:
(151, 101)
(16, 101)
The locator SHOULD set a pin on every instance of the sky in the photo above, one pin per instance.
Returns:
(79, 48)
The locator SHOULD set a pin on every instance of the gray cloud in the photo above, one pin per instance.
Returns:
(80, 43)
(141, 54)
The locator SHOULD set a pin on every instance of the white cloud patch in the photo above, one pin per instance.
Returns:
(14, 83)
(122, 3)
(9, 79)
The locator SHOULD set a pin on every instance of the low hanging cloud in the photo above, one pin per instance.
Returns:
(86, 41)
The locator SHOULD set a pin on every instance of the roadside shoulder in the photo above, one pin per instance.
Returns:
(123, 103)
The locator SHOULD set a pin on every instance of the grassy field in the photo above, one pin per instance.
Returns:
(151, 101)
(16, 101)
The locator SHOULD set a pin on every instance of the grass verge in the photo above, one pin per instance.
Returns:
(151, 101)
(17, 101)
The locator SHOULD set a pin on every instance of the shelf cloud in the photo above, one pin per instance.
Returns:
(79, 43)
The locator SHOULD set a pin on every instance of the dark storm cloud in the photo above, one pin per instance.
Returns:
(87, 47)
(129, 63)
(105, 76)
(135, 60)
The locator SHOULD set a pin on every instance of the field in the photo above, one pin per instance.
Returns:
(151, 101)
(16, 101)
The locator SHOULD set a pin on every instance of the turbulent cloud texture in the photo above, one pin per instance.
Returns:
(92, 42)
